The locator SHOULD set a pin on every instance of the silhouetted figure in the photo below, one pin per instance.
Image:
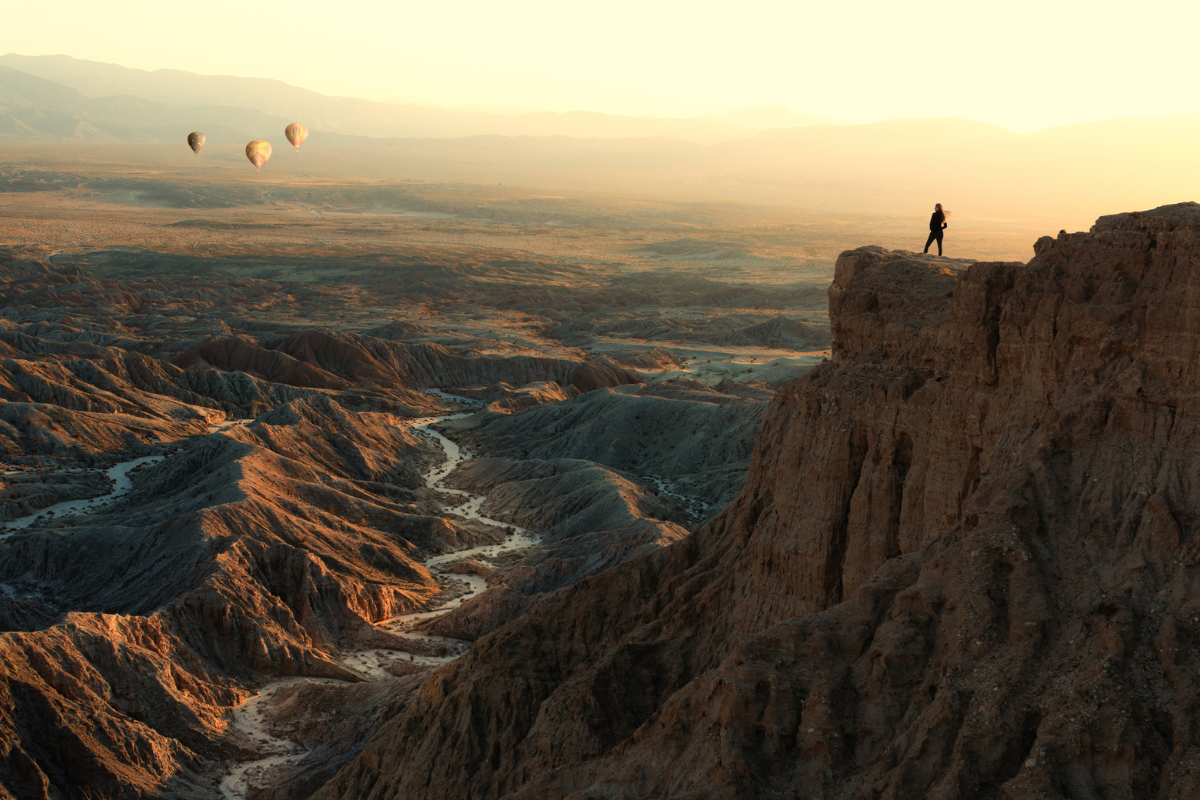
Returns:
(937, 223)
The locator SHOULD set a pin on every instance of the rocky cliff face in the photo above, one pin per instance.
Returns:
(963, 566)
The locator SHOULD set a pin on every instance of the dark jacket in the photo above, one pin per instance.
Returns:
(937, 221)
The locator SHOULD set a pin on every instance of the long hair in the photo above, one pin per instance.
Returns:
(938, 206)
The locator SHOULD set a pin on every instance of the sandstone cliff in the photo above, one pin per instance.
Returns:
(962, 566)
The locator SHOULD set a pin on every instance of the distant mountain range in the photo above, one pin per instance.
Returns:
(97, 96)
(35, 109)
(756, 156)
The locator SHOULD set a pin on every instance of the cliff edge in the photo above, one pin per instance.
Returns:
(963, 566)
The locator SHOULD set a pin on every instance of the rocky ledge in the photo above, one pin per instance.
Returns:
(963, 566)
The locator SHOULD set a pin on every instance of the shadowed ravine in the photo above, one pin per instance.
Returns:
(121, 486)
(372, 663)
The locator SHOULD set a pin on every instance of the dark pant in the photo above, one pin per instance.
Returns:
(934, 235)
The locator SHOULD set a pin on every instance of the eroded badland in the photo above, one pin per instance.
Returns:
(250, 426)
(325, 484)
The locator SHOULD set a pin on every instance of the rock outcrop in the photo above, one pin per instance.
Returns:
(962, 566)
(507, 399)
(697, 439)
(328, 360)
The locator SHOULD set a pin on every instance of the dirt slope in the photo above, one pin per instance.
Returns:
(963, 566)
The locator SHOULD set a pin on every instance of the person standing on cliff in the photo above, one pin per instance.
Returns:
(937, 223)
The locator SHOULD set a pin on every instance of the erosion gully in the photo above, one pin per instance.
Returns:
(121, 476)
(249, 717)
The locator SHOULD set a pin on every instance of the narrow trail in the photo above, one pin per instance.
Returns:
(249, 719)
(120, 475)
(695, 508)
(372, 664)
(122, 483)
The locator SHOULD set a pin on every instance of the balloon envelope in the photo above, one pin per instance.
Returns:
(258, 152)
(196, 141)
(296, 133)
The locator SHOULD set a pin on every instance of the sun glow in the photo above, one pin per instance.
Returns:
(1021, 65)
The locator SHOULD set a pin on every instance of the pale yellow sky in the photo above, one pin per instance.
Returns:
(1021, 64)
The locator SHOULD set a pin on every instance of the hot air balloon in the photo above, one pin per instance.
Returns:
(296, 133)
(258, 151)
(196, 141)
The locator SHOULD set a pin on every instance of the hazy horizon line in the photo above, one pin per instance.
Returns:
(477, 106)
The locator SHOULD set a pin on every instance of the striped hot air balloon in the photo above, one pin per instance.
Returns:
(296, 133)
(258, 151)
